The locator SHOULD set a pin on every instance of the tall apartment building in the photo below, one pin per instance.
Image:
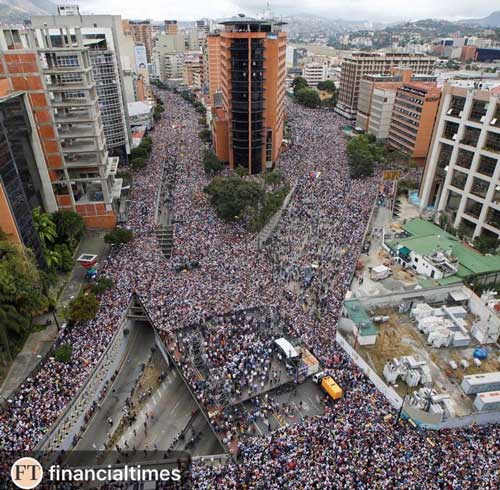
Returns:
(375, 104)
(315, 73)
(24, 178)
(20, 70)
(213, 63)
(359, 64)
(143, 33)
(248, 123)
(168, 55)
(192, 73)
(85, 181)
(377, 93)
(413, 116)
(462, 174)
(171, 27)
(203, 26)
(104, 37)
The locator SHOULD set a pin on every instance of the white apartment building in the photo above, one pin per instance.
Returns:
(315, 73)
(105, 40)
(381, 112)
(462, 174)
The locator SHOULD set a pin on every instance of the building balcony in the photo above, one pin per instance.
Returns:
(493, 218)
(479, 188)
(66, 104)
(464, 158)
(456, 106)
(492, 143)
(478, 111)
(473, 208)
(450, 130)
(70, 86)
(487, 166)
(61, 70)
(82, 146)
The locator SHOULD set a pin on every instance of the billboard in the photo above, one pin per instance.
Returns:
(141, 59)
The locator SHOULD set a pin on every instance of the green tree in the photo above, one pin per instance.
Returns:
(330, 102)
(363, 153)
(327, 86)
(118, 236)
(139, 152)
(138, 163)
(205, 135)
(20, 291)
(45, 226)
(70, 228)
(102, 285)
(274, 178)
(299, 83)
(66, 263)
(83, 308)
(52, 258)
(63, 353)
(232, 196)
(271, 203)
(308, 97)
(211, 163)
(485, 244)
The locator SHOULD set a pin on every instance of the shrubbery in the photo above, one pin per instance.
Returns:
(363, 154)
(236, 198)
(63, 353)
(211, 163)
(118, 236)
(83, 308)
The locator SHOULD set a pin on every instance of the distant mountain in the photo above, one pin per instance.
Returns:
(493, 20)
(16, 11)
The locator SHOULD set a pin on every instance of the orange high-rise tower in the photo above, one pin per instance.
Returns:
(249, 95)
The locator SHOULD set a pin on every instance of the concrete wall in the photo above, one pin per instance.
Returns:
(392, 397)
(72, 421)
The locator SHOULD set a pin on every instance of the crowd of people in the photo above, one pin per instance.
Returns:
(303, 272)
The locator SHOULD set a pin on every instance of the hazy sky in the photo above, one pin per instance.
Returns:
(345, 9)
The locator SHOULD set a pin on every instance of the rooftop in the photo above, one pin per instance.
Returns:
(358, 315)
(138, 108)
(427, 238)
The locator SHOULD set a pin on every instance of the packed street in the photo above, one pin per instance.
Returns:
(317, 243)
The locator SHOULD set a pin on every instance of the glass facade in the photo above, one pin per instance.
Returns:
(18, 170)
(247, 92)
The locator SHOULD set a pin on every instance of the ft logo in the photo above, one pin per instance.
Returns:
(26, 473)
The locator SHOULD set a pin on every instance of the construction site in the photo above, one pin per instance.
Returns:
(434, 349)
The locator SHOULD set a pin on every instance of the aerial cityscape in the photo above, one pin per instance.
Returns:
(249, 245)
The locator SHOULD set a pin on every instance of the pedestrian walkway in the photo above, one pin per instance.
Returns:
(39, 343)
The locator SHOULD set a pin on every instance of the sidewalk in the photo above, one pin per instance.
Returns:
(39, 343)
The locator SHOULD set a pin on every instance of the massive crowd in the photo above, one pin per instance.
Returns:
(304, 273)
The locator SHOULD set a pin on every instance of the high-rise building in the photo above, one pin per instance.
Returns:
(171, 27)
(213, 62)
(103, 36)
(85, 181)
(359, 64)
(193, 70)
(462, 172)
(413, 116)
(143, 33)
(315, 73)
(377, 94)
(203, 26)
(248, 121)
(24, 178)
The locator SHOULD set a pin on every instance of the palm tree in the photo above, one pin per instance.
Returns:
(53, 258)
(44, 226)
